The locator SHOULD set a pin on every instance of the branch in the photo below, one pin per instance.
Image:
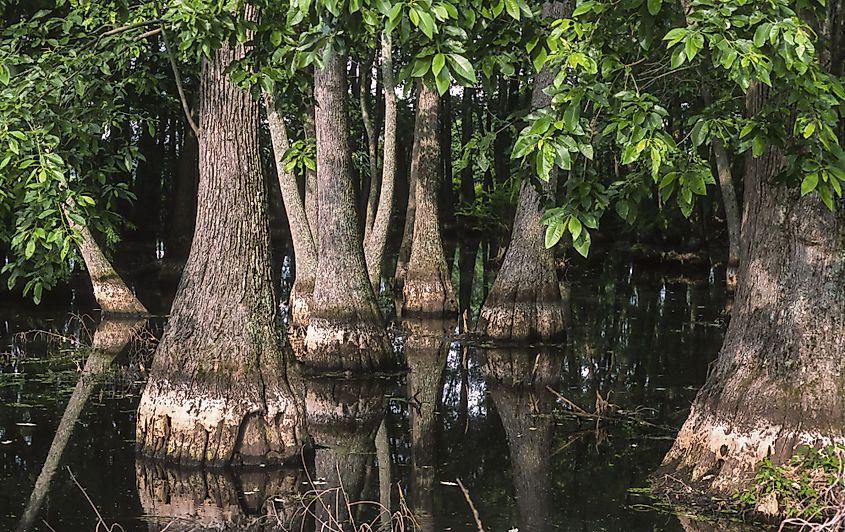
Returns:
(176, 74)
(146, 34)
(128, 27)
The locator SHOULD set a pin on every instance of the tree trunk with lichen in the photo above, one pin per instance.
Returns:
(778, 382)
(524, 303)
(345, 330)
(305, 252)
(428, 288)
(517, 380)
(218, 392)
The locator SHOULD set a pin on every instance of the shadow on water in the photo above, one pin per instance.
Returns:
(506, 423)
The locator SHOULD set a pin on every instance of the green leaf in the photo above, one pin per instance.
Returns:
(30, 249)
(826, 196)
(512, 7)
(809, 183)
(809, 129)
(693, 44)
(584, 7)
(699, 133)
(36, 293)
(462, 67)
(438, 63)
(4, 74)
(443, 80)
(575, 227)
(654, 7)
(586, 150)
(762, 34)
(675, 36)
(420, 68)
(276, 38)
(426, 24)
(582, 245)
(678, 58)
(554, 232)
(758, 145)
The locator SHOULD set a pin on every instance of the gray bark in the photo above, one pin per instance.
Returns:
(364, 85)
(524, 303)
(778, 381)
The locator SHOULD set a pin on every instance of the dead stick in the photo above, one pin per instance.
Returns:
(471, 506)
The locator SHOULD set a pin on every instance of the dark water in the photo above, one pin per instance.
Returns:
(641, 339)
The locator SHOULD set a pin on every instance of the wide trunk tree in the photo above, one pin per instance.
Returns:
(345, 330)
(427, 288)
(218, 390)
(779, 381)
(524, 302)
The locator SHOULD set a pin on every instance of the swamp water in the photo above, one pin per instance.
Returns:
(516, 428)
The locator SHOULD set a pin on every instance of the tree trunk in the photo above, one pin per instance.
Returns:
(407, 231)
(345, 330)
(311, 207)
(517, 382)
(427, 288)
(524, 303)
(364, 87)
(305, 251)
(183, 203)
(778, 382)
(113, 296)
(218, 391)
(377, 238)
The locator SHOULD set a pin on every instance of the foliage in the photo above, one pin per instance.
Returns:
(803, 486)
(620, 99)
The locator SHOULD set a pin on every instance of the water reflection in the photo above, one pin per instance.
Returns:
(517, 381)
(110, 338)
(247, 500)
(426, 349)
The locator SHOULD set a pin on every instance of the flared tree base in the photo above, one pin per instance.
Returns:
(301, 301)
(428, 296)
(218, 423)
(532, 318)
(334, 345)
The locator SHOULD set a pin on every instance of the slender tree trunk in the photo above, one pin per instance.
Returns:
(218, 391)
(372, 143)
(778, 382)
(385, 477)
(311, 207)
(111, 293)
(446, 200)
(517, 382)
(377, 238)
(524, 302)
(305, 251)
(345, 330)
(427, 288)
(183, 213)
(407, 232)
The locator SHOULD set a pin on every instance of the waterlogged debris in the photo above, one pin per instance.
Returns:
(25, 424)
(6, 442)
(447, 483)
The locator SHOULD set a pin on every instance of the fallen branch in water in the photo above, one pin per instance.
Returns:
(471, 506)
(605, 410)
(100, 520)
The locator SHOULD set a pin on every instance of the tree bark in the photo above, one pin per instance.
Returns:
(305, 252)
(218, 391)
(778, 382)
(113, 296)
(377, 238)
(311, 207)
(524, 303)
(345, 330)
(427, 288)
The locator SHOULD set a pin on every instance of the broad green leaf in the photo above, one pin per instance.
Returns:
(675, 36)
(582, 245)
(438, 63)
(462, 67)
(809, 129)
(575, 227)
(654, 6)
(554, 232)
(584, 7)
(809, 183)
(512, 7)
(443, 80)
